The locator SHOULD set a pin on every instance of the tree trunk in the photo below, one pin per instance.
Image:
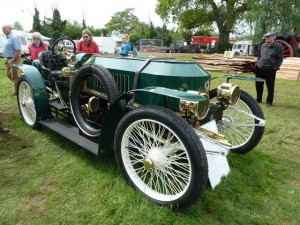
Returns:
(224, 36)
(224, 31)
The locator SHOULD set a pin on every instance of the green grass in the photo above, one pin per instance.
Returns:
(46, 179)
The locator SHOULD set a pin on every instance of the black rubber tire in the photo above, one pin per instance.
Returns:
(61, 39)
(105, 77)
(26, 103)
(190, 147)
(256, 134)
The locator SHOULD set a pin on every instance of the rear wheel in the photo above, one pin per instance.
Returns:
(93, 90)
(26, 103)
(237, 124)
(159, 154)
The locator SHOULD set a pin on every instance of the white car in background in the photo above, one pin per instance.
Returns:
(68, 44)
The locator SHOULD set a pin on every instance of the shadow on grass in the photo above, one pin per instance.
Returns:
(64, 144)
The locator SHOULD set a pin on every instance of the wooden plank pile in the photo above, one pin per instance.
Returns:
(235, 65)
(290, 69)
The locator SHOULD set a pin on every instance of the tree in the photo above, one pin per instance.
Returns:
(279, 15)
(123, 21)
(196, 13)
(204, 31)
(83, 24)
(103, 32)
(141, 31)
(73, 30)
(57, 24)
(164, 34)
(187, 35)
(36, 25)
(152, 31)
(46, 28)
(17, 25)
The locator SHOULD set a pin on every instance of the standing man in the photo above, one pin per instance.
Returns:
(268, 62)
(11, 54)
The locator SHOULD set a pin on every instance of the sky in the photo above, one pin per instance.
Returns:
(96, 12)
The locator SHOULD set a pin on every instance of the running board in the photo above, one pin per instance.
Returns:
(70, 132)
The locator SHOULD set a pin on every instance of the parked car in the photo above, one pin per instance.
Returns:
(170, 134)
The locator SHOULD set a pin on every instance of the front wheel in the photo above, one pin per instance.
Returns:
(26, 103)
(238, 124)
(159, 154)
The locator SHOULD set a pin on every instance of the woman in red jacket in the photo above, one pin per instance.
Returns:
(87, 44)
(36, 46)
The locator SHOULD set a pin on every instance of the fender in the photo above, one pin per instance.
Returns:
(249, 78)
(119, 108)
(115, 113)
(39, 93)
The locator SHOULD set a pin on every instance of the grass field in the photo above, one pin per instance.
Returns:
(46, 179)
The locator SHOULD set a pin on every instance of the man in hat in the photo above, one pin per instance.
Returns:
(268, 62)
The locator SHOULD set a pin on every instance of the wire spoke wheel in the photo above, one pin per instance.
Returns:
(26, 103)
(237, 124)
(160, 158)
(239, 127)
(156, 159)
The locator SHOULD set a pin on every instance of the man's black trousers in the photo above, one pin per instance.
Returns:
(269, 76)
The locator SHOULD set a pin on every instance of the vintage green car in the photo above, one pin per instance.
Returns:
(170, 134)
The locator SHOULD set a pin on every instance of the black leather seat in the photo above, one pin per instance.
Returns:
(53, 63)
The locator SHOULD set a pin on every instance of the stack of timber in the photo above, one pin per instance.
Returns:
(235, 65)
(290, 69)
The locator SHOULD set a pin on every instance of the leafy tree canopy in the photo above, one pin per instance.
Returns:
(124, 21)
(73, 30)
(141, 31)
(279, 15)
(196, 13)
(36, 25)
(57, 24)
(17, 25)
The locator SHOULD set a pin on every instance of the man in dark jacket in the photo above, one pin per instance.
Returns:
(269, 61)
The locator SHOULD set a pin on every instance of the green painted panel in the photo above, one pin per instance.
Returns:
(110, 123)
(174, 94)
(179, 75)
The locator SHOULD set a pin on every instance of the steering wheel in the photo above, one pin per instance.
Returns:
(59, 46)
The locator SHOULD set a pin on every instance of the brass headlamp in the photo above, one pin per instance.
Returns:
(92, 105)
(228, 93)
(198, 109)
